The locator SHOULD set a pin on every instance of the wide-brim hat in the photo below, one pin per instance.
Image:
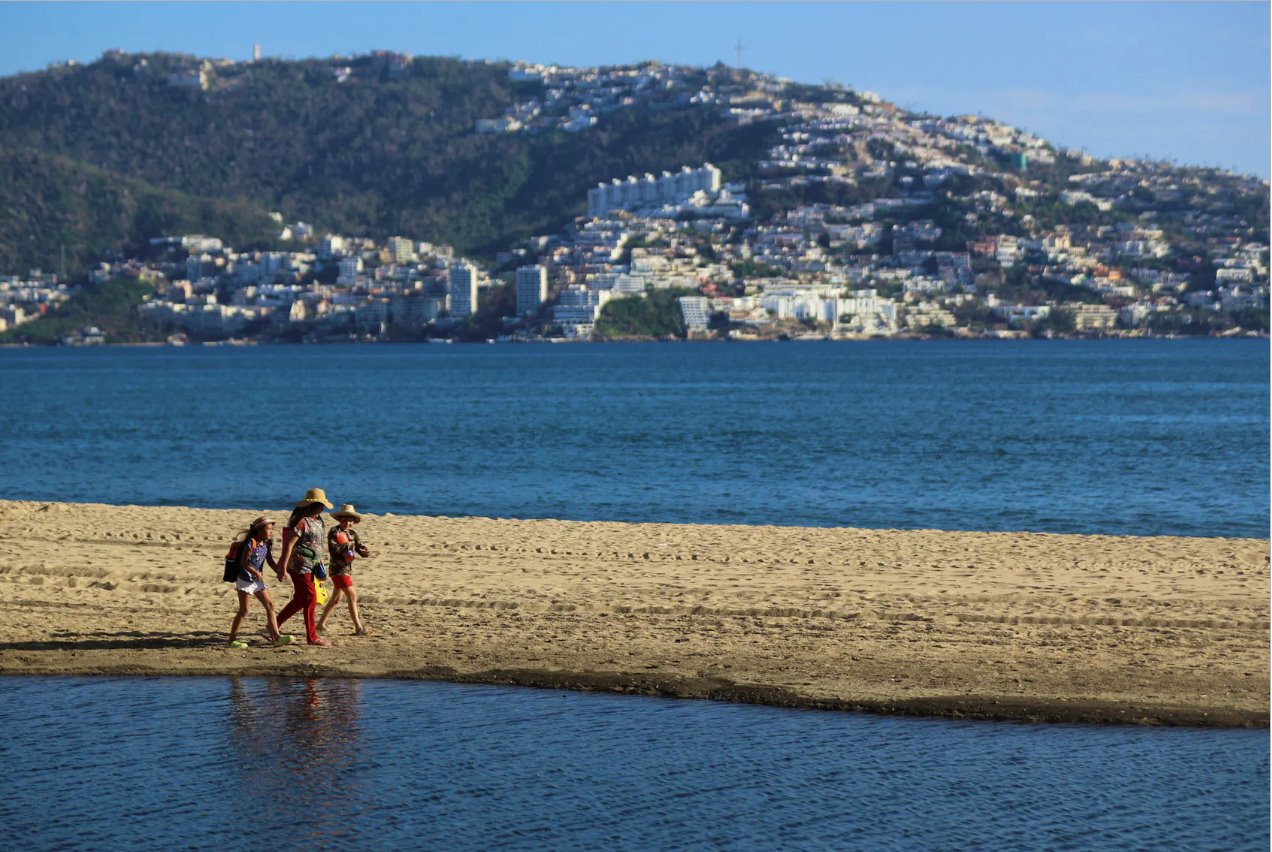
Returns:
(347, 511)
(314, 495)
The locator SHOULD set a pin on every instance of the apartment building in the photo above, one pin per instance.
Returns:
(349, 268)
(927, 314)
(696, 311)
(463, 289)
(576, 310)
(532, 289)
(650, 191)
(402, 250)
(1093, 317)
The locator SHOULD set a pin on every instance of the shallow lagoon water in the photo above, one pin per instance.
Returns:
(212, 763)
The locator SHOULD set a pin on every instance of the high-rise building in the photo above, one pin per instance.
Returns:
(576, 310)
(403, 250)
(532, 289)
(331, 246)
(463, 289)
(696, 311)
(349, 269)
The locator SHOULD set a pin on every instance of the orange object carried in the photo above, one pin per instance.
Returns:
(341, 538)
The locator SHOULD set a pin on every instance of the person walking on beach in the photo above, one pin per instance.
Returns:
(253, 554)
(302, 557)
(344, 545)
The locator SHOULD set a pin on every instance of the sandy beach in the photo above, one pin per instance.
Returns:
(1152, 630)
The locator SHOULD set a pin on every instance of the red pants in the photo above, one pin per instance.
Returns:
(306, 598)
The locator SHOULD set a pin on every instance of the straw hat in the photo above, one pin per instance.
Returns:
(261, 522)
(347, 511)
(314, 495)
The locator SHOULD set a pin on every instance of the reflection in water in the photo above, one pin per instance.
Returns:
(295, 742)
(165, 763)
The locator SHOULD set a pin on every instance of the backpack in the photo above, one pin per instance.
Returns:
(232, 560)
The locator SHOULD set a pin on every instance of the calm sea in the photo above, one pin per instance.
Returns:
(1133, 437)
(215, 763)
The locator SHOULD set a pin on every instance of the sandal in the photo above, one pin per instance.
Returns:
(238, 643)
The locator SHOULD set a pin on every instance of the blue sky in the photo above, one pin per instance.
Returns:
(1181, 81)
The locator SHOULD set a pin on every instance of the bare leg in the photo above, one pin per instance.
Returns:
(331, 602)
(358, 628)
(268, 603)
(238, 616)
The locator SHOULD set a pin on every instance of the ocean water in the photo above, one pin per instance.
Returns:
(1133, 437)
(1126, 437)
(260, 763)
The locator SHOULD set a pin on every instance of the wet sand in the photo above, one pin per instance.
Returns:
(1153, 630)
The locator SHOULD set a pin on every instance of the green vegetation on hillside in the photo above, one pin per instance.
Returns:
(497, 301)
(53, 205)
(374, 155)
(656, 315)
(111, 306)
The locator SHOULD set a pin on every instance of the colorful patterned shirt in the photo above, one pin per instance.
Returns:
(307, 554)
(254, 553)
(341, 560)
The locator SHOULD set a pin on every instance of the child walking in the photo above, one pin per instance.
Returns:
(254, 553)
(344, 545)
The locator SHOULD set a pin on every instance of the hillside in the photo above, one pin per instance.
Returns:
(355, 146)
(790, 210)
(109, 309)
(56, 208)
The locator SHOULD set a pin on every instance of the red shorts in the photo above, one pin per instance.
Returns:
(342, 581)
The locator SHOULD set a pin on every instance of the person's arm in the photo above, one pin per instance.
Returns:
(269, 554)
(245, 560)
(289, 544)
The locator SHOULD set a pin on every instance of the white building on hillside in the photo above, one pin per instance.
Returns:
(463, 289)
(650, 191)
(332, 245)
(403, 250)
(532, 289)
(696, 311)
(867, 311)
(349, 269)
(577, 309)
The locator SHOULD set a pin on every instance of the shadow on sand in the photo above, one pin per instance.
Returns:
(119, 641)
